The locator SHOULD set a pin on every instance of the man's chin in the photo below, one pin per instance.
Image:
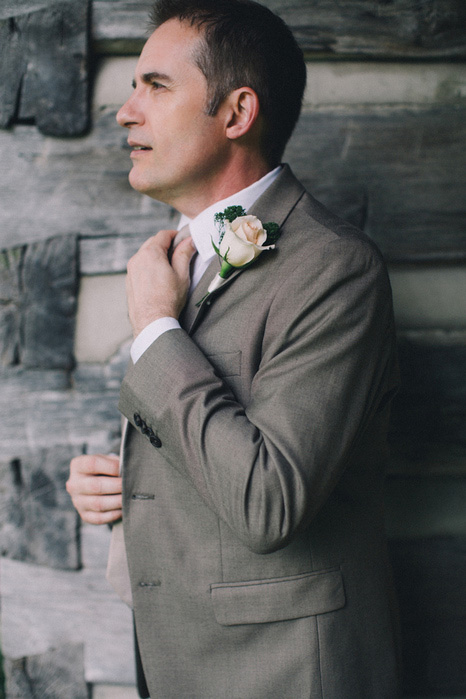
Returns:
(139, 183)
(144, 187)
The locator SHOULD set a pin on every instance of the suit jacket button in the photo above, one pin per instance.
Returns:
(137, 420)
(155, 441)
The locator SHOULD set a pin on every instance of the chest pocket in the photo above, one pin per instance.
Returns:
(226, 363)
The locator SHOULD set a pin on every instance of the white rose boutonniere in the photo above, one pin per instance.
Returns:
(242, 239)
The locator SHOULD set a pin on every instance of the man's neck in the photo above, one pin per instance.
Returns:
(228, 183)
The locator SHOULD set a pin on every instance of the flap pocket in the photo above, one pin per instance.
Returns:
(226, 363)
(278, 599)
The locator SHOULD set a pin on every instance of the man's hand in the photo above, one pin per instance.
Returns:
(95, 488)
(156, 287)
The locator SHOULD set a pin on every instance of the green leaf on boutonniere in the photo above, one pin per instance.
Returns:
(273, 232)
(230, 213)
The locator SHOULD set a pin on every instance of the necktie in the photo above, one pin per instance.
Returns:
(181, 235)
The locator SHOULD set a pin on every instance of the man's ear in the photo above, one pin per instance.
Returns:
(244, 110)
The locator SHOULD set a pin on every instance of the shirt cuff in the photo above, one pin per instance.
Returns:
(149, 335)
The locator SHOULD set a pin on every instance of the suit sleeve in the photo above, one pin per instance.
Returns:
(266, 468)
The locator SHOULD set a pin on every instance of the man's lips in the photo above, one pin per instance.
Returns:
(137, 148)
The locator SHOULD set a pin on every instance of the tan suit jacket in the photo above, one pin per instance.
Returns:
(254, 467)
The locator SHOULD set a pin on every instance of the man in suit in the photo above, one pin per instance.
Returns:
(254, 454)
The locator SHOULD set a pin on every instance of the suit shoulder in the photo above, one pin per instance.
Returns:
(313, 231)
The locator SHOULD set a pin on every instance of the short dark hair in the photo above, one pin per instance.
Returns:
(244, 44)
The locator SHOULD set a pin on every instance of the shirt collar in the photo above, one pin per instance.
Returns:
(203, 229)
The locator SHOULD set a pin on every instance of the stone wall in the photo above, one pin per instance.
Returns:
(381, 141)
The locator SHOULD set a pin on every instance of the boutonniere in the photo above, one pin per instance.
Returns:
(242, 239)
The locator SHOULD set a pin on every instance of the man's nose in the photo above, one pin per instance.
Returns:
(128, 114)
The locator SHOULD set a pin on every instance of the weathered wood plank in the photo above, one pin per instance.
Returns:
(58, 410)
(428, 424)
(400, 28)
(43, 58)
(120, 26)
(89, 421)
(38, 292)
(429, 576)
(399, 174)
(17, 8)
(17, 380)
(109, 254)
(80, 186)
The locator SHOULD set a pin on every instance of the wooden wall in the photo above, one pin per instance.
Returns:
(393, 163)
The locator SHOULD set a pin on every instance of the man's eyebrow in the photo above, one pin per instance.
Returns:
(148, 78)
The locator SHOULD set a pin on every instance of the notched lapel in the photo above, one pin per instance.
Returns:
(191, 311)
(200, 300)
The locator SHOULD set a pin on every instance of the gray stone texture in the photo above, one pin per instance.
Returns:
(44, 55)
(37, 521)
(38, 288)
(56, 674)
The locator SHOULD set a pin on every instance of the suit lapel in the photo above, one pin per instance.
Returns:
(200, 300)
(275, 204)
(191, 311)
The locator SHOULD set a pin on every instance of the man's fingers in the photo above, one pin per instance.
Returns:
(165, 238)
(101, 517)
(101, 485)
(100, 503)
(182, 256)
(161, 242)
(93, 485)
(157, 281)
(100, 508)
(96, 464)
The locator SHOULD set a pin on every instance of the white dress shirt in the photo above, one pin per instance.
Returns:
(203, 231)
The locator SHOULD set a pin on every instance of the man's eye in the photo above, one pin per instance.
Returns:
(156, 85)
